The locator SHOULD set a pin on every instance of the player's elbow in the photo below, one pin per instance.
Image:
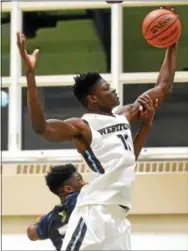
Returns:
(38, 129)
(43, 131)
(32, 233)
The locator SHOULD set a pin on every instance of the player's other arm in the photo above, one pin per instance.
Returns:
(146, 117)
(51, 130)
(163, 87)
(32, 232)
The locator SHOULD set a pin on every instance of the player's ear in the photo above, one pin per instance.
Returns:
(91, 99)
(68, 189)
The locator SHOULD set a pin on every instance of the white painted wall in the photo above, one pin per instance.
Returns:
(146, 241)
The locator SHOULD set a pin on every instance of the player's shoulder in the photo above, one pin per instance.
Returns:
(79, 123)
(75, 120)
(123, 112)
(50, 216)
(57, 217)
(54, 214)
(70, 201)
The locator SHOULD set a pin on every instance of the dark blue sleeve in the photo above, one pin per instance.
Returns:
(52, 221)
(72, 202)
(42, 228)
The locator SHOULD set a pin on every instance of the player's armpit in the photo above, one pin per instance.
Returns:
(58, 130)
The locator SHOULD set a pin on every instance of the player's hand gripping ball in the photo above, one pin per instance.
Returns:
(161, 28)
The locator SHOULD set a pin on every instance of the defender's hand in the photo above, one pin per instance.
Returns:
(29, 60)
(147, 114)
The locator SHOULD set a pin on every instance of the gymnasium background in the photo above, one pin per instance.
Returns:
(92, 36)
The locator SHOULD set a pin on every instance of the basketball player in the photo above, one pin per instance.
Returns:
(104, 139)
(66, 183)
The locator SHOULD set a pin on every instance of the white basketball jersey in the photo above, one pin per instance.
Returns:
(111, 160)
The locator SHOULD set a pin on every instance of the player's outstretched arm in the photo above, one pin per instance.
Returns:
(32, 232)
(163, 87)
(51, 130)
(146, 117)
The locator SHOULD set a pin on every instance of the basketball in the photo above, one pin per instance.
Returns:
(161, 28)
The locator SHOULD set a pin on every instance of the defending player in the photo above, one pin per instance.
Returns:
(65, 182)
(104, 139)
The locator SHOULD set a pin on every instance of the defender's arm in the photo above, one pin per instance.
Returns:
(32, 232)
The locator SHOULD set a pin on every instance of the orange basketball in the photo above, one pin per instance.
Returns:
(161, 28)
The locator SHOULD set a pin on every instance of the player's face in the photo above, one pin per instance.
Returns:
(104, 96)
(75, 183)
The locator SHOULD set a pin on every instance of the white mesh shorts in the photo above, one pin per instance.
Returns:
(97, 227)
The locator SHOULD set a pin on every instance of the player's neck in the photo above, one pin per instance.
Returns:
(106, 114)
(100, 109)
(101, 112)
(63, 197)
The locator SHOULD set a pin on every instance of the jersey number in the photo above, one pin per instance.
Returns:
(123, 139)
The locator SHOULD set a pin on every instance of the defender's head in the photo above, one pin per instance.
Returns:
(63, 180)
(95, 93)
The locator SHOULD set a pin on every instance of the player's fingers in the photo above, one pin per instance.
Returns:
(142, 100)
(171, 9)
(149, 105)
(145, 100)
(23, 40)
(168, 7)
(140, 108)
(23, 36)
(36, 52)
(144, 103)
(148, 99)
(21, 45)
(18, 39)
(156, 103)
